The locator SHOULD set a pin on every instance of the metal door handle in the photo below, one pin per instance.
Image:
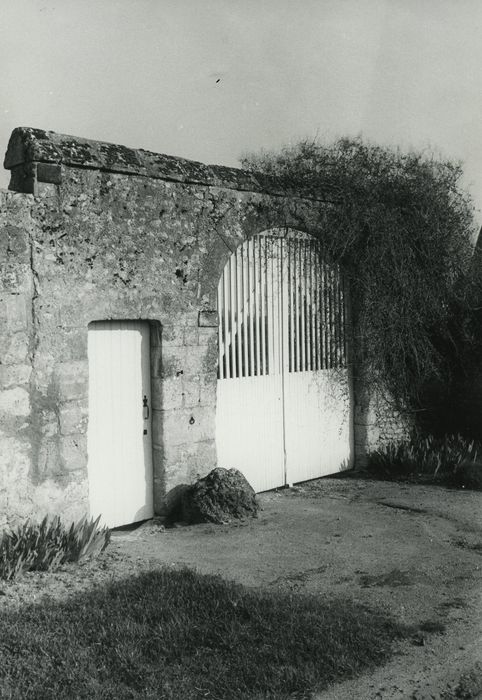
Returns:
(145, 408)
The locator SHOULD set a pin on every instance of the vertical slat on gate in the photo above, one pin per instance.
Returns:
(221, 345)
(323, 315)
(338, 318)
(335, 317)
(262, 280)
(317, 307)
(291, 317)
(239, 292)
(277, 302)
(251, 312)
(332, 316)
(296, 265)
(308, 304)
(314, 295)
(232, 315)
(328, 313)
(245, 339)
(313, 303)
(343, 320)
(226, 315)
(309, 335)
(302, 279)
(272, 329)
(257, 305)
(285, 307)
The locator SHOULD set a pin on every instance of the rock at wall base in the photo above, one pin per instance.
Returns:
(220, 497)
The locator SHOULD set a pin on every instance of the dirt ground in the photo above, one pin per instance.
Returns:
(411, 550)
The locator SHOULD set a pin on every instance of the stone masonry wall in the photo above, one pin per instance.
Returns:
(375, 424)
(21, 431)
(96, 245)
(99, 232)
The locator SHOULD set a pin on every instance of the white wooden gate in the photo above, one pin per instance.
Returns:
(119, 433)
(283, 395)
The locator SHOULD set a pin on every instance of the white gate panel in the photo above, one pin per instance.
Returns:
(249, 429)
(317, 424)
(119, 433)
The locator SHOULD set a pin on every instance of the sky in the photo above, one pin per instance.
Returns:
(211, 80)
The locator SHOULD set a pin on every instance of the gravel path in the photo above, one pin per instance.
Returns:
(413, 551)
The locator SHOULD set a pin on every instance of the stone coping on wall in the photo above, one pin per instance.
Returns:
(30, 146)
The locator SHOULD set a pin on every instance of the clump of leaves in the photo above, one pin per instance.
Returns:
(402, 229)
(47, 545)
(428, 455)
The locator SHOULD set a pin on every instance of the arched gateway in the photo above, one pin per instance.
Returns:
(284, 410)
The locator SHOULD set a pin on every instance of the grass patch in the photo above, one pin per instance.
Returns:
(178, 635)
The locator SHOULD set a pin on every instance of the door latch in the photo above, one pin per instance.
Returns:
(145, 408)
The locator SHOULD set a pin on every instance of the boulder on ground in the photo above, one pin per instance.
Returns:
(220, 497)
(469, 475)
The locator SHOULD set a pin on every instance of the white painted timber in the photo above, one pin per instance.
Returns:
(119, 433)
(284, 410)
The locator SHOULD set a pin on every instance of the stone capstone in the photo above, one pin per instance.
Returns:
(220, 497)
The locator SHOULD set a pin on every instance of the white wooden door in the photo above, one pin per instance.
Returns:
(283, 396)
(119, 433)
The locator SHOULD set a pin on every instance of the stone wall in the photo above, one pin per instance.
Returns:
(96, 232)
(375, 423)
(111, 233)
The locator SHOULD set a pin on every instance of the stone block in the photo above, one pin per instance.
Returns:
(191, 392)
(201, 459)
(175, 426)
(48, 460)
(206, 334)
(173, 361)
(168, 393)
(208, 390)
(156, 361)
(191, 336)
(14, 375)
(172, 334)
(18, 242)
(159, 494)
(72, 418)
(14, 348)
(73, 452)
(49, 173)
(188, 425)
(208, 319)
(70, 500)
(13, 311)
(14, 468)
(157, 428)
(194, 361)
(72, 343)
(156, 393)
(189, 318)
(72, 379)
(15, 402)
(175, 475)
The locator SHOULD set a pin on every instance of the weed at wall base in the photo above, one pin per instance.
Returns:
(443, 458)
(47, 545)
